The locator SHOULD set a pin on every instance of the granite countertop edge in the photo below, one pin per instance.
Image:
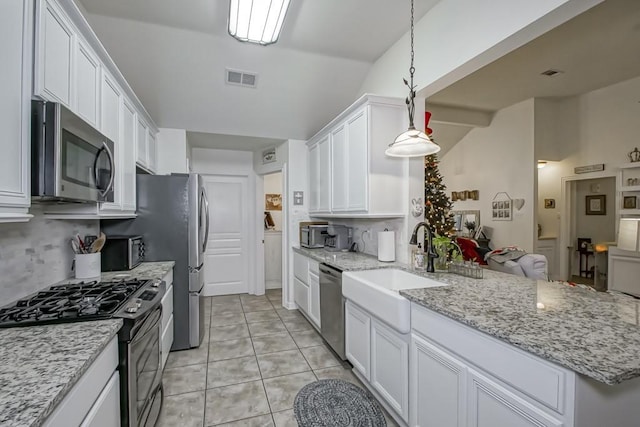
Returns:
(113, 330)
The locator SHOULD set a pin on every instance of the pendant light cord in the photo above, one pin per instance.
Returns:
(410, 103)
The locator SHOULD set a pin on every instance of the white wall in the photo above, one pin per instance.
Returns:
(496, 159)
(172, 151)
(457, 37)
(273, 185)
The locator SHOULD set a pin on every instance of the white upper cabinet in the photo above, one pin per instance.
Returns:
(15, 109)
(353, 174)
(54, 55)
(73, 68)
(128, 147)
(87, 84)
(141, 143)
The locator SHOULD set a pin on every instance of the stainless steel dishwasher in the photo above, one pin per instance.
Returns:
(332, 308)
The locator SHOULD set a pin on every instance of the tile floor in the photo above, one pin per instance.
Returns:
(247, 372)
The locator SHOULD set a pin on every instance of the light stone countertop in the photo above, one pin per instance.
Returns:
(39, 365)
(596, 334)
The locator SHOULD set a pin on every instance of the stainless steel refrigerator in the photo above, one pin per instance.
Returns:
(173, 218)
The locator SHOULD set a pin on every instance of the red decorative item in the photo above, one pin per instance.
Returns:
(427, 129)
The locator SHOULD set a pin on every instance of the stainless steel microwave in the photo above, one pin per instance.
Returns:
(70, 159)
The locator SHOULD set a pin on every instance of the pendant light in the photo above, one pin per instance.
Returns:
(412, 142)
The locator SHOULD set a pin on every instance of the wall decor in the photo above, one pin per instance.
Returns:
(596, 205)
(460, 218)
(269, 155)
(464, 195)
(629, 202)
(634, 156)
(417, 208)
(273, 202)
(518, 203)
(549, 203)
(473, 194)
(502, 207)
(589, 168)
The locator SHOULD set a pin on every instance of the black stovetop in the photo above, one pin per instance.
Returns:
(69, 303)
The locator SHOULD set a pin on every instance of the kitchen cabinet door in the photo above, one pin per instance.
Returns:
(128, 164)
(390, 367)
(54, 54)
(491, 405)
(301, 295)
(325, 175)
(110, 126)
(15, 109)
(358, 161)
(314, 178)
(141, 143)
(105, 412)
(86, 84)
(314, 298)
(340, 178)
(357, 340)
(438, 387)
(152, 151)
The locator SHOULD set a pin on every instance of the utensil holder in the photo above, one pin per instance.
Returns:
(87, 266)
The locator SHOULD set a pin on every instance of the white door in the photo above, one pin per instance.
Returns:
(438, 387)
(390, 367)
(357, 161)
(490, 405)
(324, 171)
(357, 338)
(226, 266)
(340, 169)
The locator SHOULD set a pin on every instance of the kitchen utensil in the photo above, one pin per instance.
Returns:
(89, 239)
(99, 243)
(75, 246)
(83, 249)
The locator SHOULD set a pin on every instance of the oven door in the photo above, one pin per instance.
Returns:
(144, 369)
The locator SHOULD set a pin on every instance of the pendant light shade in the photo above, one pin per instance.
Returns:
(257, 21)
(412, 142)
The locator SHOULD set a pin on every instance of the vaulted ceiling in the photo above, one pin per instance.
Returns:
(174, 55)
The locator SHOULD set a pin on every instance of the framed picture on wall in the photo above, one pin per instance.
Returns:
(502, 207)
(596, 205)
(629, 202)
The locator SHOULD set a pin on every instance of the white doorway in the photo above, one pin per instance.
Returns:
(273, 220)
(226, 259)
(591, 206)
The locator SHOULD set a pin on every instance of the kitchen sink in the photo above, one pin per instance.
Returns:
(377, 292)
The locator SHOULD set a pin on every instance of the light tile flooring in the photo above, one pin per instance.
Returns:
(247, 372)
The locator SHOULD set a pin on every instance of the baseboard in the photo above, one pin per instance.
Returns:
(216, 290)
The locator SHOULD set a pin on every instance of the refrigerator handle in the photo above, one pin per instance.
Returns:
(206, 208)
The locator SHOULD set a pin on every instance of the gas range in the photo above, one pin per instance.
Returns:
(82, 301)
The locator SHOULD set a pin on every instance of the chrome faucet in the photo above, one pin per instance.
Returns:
(431, 255)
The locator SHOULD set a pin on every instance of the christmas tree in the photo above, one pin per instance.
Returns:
(438, 206)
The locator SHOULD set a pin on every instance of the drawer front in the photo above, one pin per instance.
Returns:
(167, 306)
(301, 267)
(167, 340)
(540, 380)
(168, 278)
(314, 267)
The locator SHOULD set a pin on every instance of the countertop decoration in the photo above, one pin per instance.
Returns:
(596, 334)
(39, 365)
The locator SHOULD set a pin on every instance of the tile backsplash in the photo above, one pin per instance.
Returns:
(37, 254)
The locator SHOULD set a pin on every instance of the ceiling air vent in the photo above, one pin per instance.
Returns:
(241, 78)
(551, 72)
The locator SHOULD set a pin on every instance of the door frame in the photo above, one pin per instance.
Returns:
(259, 243)
(566, 225)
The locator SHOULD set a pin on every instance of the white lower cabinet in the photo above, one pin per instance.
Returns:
(438, 386)
(357, 339)
(491, 405)
(108, 404)
(380, 355)
(314, 298)
(301, 295)
(389, 366)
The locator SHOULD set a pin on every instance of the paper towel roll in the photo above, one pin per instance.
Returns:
(387, 246)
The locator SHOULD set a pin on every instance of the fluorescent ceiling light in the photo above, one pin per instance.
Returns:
(257, 21)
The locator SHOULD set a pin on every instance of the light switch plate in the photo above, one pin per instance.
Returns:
(298, 198)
